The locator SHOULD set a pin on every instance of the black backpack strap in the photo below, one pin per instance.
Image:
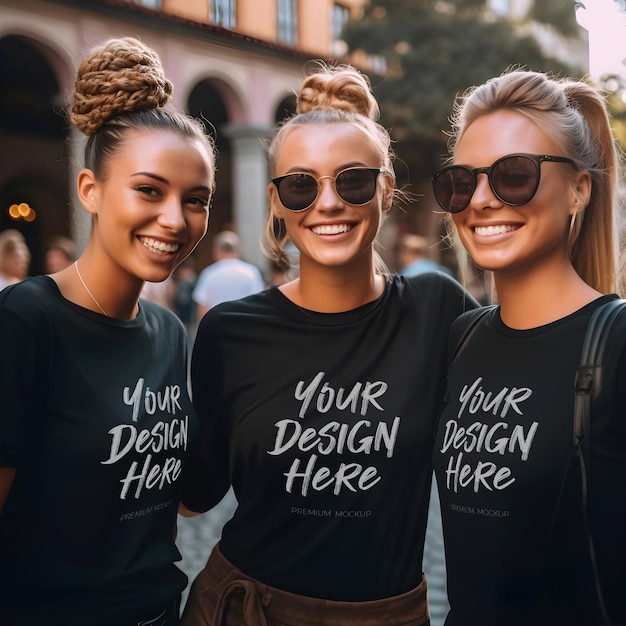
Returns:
(589, 375)
(588, 385)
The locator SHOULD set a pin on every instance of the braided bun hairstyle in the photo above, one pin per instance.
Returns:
(330, 95)
(121, 86)
(120, 76)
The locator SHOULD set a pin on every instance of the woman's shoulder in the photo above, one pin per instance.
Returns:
(30, 295)
(436, 289)
(610, 333)
(429, 280)
(27, 310)
(259, 303)
(160, 317)
(156, 311)
(246, 312)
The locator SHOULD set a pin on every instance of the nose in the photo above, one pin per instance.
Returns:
(483, 196)
(327, 197)
(171, 215)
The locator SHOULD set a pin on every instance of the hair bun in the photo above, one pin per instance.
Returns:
(122, 75)
(338, 87)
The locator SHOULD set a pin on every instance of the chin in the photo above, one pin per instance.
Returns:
(158, 276)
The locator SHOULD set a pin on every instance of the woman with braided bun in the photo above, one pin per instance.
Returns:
(318, 398)
(96, 417)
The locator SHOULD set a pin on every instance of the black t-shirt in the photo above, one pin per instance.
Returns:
(96, 418)
(324, 424)
(503, 453)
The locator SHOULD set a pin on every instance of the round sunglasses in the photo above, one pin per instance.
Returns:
(356, 185)
(514, 180)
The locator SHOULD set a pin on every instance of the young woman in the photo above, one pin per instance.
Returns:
(318, 398)
(531, 192)
(95, 412)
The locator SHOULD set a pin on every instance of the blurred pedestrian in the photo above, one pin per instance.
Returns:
(318, 398)
(185, 279)
(60, 253)
(413, 256)
(95, 416)
(228, 277)
(531, 191)
(15, 257)
(161, 293)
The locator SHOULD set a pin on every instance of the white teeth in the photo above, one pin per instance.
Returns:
(159, 246)
(335, 229)
(486, 231)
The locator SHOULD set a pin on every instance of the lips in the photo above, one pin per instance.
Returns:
(331, 229)
(160, 247)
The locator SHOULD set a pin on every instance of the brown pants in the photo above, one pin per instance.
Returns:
(222, 595)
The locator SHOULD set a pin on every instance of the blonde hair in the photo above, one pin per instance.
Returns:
(121, 86)
(330, 95)
(574, 114)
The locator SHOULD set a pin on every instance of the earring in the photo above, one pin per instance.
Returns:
(573, 231)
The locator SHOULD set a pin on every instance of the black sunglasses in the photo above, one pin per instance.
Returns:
(355, 185)
(514, 180)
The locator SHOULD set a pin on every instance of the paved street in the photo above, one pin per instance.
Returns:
(198, 535)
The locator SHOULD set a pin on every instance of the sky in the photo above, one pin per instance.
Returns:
(605, 21)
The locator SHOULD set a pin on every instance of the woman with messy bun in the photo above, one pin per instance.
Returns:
(96, 416)
(317, 399)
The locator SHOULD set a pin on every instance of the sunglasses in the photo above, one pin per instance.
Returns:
(355, 185)
(514, 180)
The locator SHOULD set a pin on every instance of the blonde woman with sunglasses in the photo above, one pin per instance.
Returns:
(531, 191)
(318, 398)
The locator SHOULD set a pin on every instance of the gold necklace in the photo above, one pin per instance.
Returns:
(87, 289)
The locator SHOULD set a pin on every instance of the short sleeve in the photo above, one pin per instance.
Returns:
(206, 476)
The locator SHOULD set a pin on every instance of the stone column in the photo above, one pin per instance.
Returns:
(80, 219)
(249, 193)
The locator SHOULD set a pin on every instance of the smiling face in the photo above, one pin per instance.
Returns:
(503, 238)
(331, 232)
(152, 208)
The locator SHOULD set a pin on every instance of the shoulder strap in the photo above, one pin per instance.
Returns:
(589, 373)
(587, 386)
(471, 323)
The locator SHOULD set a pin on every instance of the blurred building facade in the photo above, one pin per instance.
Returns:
(234, 63)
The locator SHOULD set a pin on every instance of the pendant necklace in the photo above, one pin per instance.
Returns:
(87, 289)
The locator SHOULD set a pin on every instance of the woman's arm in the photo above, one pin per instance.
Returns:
(185, 512)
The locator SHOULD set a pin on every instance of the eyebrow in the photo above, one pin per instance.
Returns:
(164, 180)
(150, 175)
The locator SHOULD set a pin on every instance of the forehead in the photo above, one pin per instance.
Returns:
(20, 249)
(136, 141)
(500, 133)
(151, 149)
(319, 146)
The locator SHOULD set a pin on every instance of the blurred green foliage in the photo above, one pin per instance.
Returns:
(434, 50)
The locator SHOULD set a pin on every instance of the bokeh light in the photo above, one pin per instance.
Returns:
(22, 211)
